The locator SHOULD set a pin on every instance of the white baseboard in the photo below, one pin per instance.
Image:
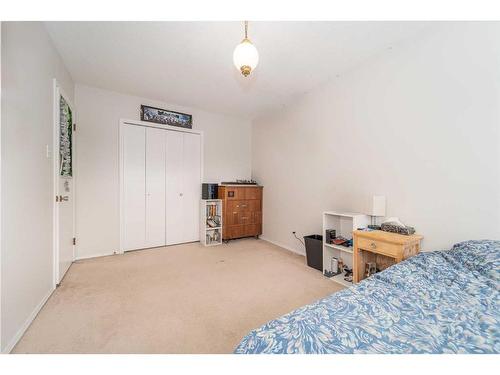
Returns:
(283, 246)
(26, 324)
(94, 256)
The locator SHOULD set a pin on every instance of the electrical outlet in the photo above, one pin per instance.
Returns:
(297, 238)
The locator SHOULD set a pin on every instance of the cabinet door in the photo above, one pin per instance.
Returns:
(134, 187)
(191, 187)
(174, 223)
(155, 187)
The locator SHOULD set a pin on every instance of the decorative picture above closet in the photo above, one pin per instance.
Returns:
(164, 117)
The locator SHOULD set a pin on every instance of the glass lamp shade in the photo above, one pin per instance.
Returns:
(245, 57)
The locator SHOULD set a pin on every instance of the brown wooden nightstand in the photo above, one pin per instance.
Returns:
(383, 248)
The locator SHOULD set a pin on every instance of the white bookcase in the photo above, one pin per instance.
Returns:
(211, 222)
(344, 224)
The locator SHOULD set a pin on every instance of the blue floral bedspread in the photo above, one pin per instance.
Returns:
(435, 302)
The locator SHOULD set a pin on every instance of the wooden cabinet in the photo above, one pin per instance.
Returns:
(382, 248)
(242, 211)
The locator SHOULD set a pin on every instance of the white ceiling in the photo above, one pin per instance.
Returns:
(190, 63)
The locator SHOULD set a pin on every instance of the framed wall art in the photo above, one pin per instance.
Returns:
(165, 117)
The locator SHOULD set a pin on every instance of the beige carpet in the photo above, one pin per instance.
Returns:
(177, 299)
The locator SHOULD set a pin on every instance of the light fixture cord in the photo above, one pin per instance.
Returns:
(246, 29)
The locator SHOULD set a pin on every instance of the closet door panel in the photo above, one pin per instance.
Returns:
(155, 187)
(173, 205)
(191, 183)
(134, 187)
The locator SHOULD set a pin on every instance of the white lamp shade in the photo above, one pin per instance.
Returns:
(378, 206)
(245, 54)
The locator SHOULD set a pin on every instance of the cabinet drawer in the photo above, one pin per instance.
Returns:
(238, 231)
(237, 218)
(246, 218)
(252, 230)
(243, 206)
(236, 206)
(250, 205)
(253, 193)
(239, 193)
(234, 193)
(380, 247)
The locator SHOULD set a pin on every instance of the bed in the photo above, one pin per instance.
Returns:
(435, 302)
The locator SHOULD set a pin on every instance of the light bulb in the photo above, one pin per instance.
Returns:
(245, 57)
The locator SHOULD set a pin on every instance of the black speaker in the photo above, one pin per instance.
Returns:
(209, 191)
(330, 235)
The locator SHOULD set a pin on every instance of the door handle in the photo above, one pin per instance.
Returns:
(63, 198)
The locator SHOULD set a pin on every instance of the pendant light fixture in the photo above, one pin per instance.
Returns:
(245, 55)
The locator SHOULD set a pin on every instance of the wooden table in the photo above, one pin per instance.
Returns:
(383, 248)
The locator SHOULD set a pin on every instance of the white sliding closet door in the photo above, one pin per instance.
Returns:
(134, 187)
(174, 193)
(191, 187)
(155, 187)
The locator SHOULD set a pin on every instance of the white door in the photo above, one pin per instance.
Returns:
(174, 227)
(134, 187)
(64, 184)
(191, 187)
(155, 187)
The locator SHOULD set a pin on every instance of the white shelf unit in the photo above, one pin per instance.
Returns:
(210, 212)
(344, 224)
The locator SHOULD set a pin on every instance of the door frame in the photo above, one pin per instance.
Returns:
(121, 125)
(58, 91)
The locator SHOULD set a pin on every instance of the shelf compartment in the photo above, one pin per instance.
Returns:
(339, 247)
(211, 210)
(344, 223)
(339, 279)
(213, 244)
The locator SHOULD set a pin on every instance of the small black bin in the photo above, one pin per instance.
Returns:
(314, 251)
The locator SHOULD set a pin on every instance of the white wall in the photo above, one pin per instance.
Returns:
(419, 123)
(29, 63)
(227, 156)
